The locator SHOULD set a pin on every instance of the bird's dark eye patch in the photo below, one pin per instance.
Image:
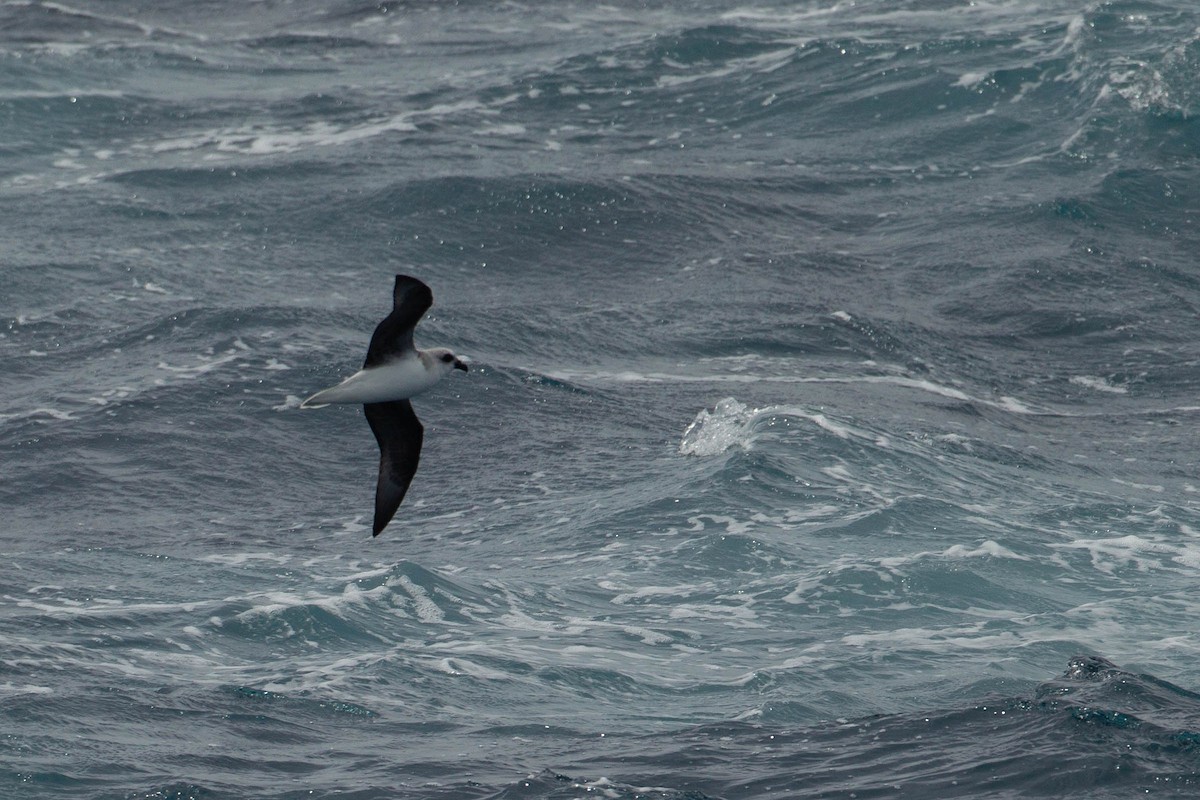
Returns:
(447, 358)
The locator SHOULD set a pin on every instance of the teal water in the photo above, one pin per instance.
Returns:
(828, 433)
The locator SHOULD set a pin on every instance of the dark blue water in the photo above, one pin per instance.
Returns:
(830, 431)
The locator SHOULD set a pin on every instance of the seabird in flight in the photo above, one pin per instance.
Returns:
(394, 371)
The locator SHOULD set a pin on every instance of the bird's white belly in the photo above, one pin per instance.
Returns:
(396, 380)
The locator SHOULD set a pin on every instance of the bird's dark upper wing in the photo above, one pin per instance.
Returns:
(399, 434)
(410, 300)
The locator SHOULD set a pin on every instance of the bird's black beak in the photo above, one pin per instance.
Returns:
(460, 365)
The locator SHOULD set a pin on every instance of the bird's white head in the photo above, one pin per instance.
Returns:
(443, 360)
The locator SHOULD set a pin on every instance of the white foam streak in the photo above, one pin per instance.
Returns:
(426, 609)
(99, 607)
(207, 363)
(764, 63)
(1098, 384)
(261, 140)
(10, 689)
(1109, 555)
(1005, 403)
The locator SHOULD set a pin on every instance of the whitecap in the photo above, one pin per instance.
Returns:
(731, 423)
(713, 432)
(969, 80)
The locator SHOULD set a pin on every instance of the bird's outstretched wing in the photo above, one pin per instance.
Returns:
(399, 434)
(394, 336)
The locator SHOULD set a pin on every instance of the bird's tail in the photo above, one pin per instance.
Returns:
(318, 400)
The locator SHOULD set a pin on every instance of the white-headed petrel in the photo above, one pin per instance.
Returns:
(394, 371)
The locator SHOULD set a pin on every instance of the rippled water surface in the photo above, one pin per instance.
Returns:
(830, 428)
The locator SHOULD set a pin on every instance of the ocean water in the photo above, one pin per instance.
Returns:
(830, 431)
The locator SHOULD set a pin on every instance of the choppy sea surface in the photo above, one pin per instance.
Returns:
(831, 428)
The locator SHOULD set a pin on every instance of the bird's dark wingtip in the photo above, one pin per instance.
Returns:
(406, 283)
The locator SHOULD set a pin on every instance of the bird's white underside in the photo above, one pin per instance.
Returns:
(396, 380)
